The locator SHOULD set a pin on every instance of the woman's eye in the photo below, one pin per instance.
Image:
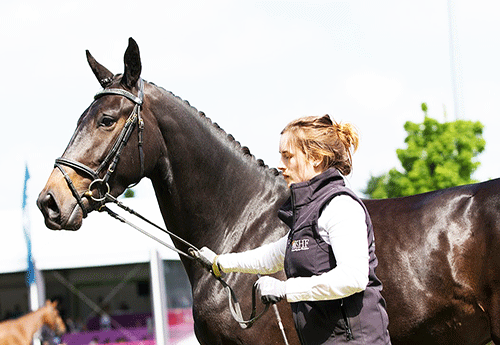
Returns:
(107, 121)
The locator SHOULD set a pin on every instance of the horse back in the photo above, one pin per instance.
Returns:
(438, 258)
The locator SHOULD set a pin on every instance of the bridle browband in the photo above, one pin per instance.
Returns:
(113, 156)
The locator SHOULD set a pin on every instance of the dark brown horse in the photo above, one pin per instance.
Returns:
(20, 331)
(438, 251)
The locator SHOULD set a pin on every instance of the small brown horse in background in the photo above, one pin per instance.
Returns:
(20, 331)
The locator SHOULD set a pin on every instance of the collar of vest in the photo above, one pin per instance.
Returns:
(304, 192)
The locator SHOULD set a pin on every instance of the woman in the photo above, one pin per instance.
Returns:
(329, 254)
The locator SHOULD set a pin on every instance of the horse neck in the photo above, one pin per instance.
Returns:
(207, 188)
(32, 322)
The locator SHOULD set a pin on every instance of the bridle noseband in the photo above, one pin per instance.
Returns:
(113, 156)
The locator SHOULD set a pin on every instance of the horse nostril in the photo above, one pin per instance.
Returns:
(49, 206)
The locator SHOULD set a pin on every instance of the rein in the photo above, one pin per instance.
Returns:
(102, 186)
(192, 254)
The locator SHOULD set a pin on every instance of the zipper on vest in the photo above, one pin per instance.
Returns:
(348, 331)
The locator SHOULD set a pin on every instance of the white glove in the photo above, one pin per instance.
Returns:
(271, 289)
(209, 258)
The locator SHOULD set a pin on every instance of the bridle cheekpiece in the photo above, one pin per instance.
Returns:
(111, 160)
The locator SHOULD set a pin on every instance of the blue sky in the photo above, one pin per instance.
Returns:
(251, 66)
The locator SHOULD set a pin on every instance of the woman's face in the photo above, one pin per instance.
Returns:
(294, 164)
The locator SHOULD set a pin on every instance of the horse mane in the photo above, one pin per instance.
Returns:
(244, 149)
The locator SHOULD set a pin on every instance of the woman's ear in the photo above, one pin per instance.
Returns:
(318, 164)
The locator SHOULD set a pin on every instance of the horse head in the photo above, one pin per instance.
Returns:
(52, 318)
(108, 135)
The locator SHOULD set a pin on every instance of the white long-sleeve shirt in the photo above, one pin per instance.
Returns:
(342, 225)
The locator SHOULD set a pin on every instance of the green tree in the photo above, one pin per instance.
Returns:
(437, 155)
(129, 193)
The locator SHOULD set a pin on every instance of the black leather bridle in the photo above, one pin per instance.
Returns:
(113, 156)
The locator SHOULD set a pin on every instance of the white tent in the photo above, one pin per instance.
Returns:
(101, 241)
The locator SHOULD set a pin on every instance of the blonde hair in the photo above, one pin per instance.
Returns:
(324, 140)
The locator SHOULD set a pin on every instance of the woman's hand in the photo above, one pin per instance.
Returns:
(209, 260)
(271, 289)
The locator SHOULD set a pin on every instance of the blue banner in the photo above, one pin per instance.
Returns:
(30, 274)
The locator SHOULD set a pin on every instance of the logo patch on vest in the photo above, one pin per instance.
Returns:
(299, 245)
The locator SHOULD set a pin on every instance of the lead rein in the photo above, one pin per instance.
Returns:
(193, 254)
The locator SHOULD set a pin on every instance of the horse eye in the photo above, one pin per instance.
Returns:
(107, 121)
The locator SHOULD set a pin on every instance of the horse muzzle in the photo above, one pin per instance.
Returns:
(54, 215)
(60, 209)
(60, 329)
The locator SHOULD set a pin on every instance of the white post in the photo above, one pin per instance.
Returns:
(37, 290)
(34, 300)
(37, 297)
(160, 311)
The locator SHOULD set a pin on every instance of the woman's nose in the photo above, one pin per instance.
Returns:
(281, 167)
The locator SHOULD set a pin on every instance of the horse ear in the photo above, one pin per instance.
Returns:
(103, 75)
(132, 60)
